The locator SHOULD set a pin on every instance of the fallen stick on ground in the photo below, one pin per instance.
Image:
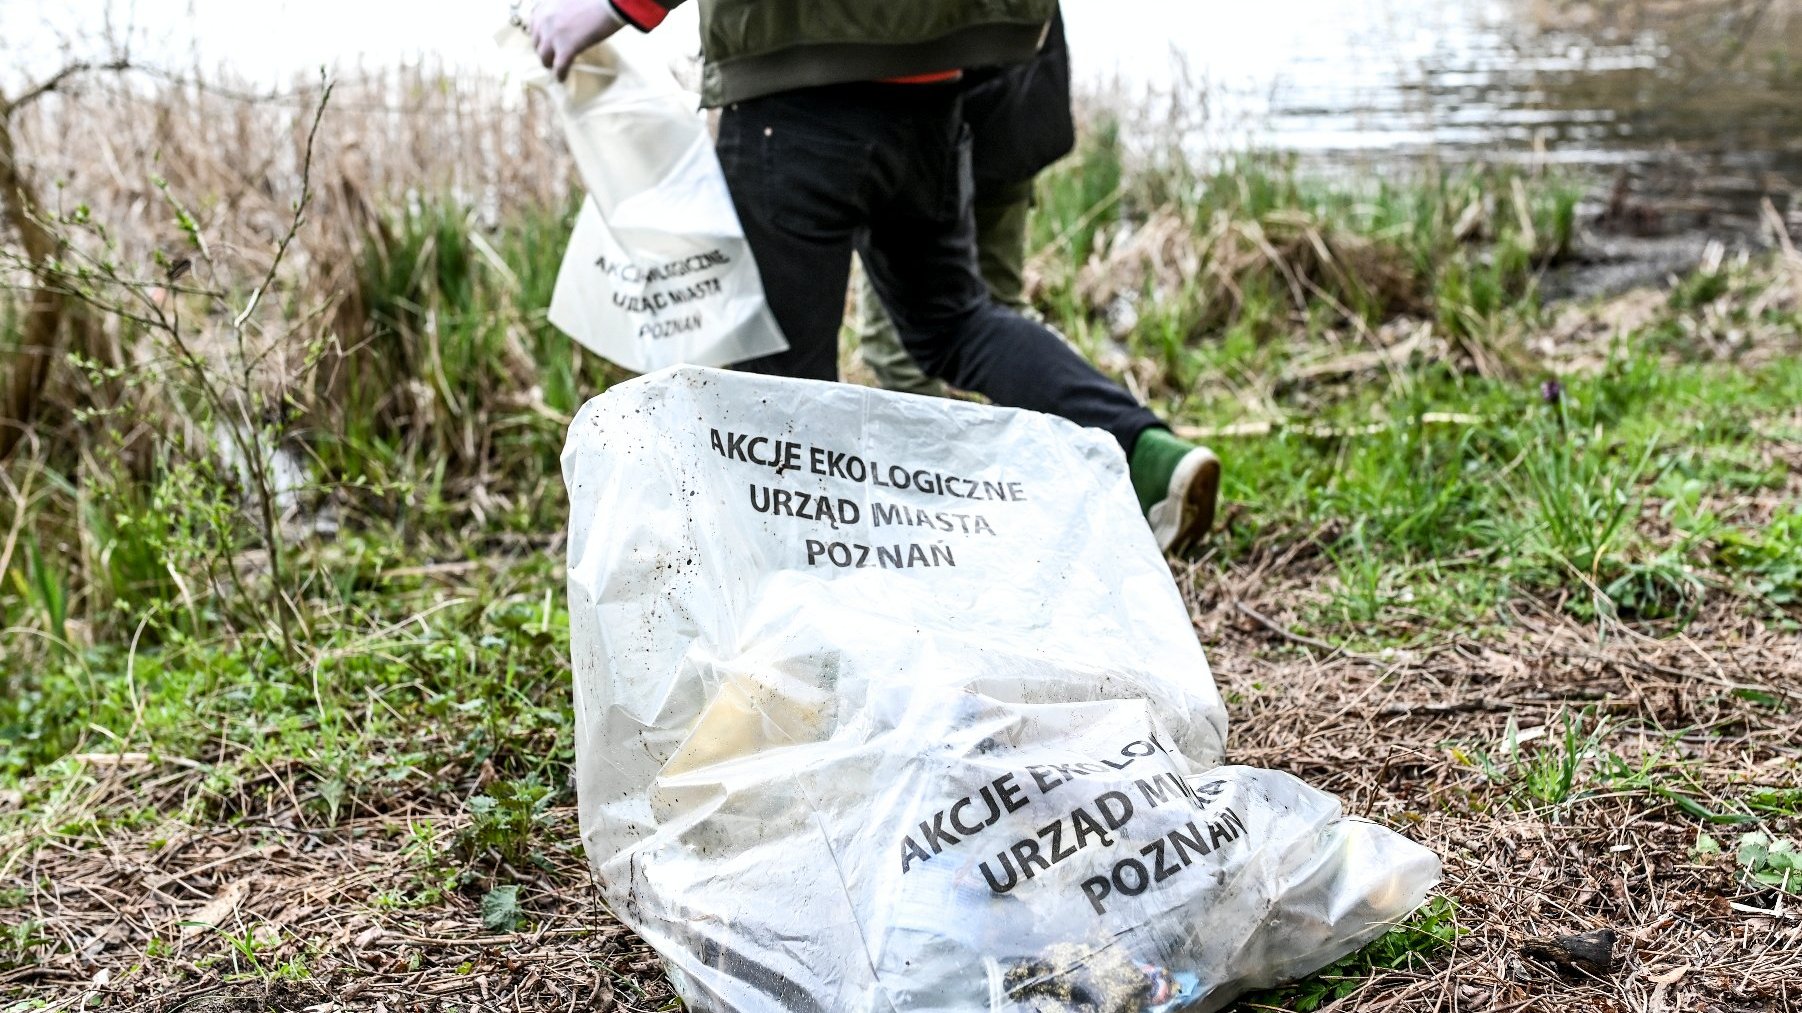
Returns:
(1300, 638)
(1269, 427)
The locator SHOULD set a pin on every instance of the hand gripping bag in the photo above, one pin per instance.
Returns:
(890, 703)
(657, 271)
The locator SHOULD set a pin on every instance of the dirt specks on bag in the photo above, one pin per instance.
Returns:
(919, 723)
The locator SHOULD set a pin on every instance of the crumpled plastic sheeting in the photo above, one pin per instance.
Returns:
(890, 703)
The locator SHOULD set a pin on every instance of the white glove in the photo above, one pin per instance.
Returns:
(561, 29)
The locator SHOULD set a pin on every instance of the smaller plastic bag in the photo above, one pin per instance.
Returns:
(657, 272)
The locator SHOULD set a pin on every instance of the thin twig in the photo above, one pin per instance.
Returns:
(56, 81)
(1300, 638)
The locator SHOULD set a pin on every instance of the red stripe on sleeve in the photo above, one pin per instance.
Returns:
(644, 15)
(938, 77)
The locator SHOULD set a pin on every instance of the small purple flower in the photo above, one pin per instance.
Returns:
(1551, 392)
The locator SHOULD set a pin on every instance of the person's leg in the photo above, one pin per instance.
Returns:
(880, 347)
(1001, 242)
(921, 257)
(1001, 260)
(811, 172)
(795, 164)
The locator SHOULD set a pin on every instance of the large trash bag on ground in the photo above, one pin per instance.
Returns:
(890, 703)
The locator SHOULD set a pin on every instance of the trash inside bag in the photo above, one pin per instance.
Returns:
(657, 271)
(890, 703)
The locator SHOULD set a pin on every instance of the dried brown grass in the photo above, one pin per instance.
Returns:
(234, 154)
(133, 150)
(1393, 735)
(1173, 254)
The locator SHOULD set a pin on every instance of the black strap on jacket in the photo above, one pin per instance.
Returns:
(1019, 116)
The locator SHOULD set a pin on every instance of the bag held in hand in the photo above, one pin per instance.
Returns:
(657, 272)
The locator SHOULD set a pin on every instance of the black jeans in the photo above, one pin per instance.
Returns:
(884, 169)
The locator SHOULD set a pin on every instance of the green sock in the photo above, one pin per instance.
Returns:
(1154, 458)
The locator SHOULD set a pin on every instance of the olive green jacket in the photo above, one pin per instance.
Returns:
(757, 47)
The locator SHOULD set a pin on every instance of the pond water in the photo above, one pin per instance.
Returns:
(1687, 112)
(1683, 118)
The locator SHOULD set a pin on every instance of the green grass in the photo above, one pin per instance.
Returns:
(1545, 773)
(455, 684)
(1767, 862)
(460, 371)
(1609, 500)
(1582, 757)
(19, 940)
(1548, 492)
(1438, 521)
(1423, 938)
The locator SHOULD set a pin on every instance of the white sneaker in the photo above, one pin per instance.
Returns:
(1186, 513)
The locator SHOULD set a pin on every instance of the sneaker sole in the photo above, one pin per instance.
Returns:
(1186, 515)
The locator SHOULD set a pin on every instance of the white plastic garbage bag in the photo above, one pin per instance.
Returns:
(657, 271)
(890, 703)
